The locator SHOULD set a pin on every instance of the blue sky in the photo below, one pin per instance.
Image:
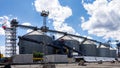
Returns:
(96, 19)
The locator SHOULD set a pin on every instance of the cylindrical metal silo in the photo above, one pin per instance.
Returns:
(113, 53)
(28, 47)
(88, 49)
(69, 41)
(103, 51)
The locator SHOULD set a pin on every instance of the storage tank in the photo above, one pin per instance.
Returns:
(103, 51)
(71, 42)
(28, 47)
(113, 53)
(88, 48)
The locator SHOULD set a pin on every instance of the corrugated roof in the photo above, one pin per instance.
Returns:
(102, 46)
(88, 42)
(112, 48)
(67, 38)
(38, 32)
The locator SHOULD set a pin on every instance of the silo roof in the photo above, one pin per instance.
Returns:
(67, 38)
(88, 42)
(112, 48)
(102, 46)
(38, 32)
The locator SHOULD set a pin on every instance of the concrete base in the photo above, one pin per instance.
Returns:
(56, 58)
(23, 58)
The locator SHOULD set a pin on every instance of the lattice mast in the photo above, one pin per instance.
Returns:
(10, 39)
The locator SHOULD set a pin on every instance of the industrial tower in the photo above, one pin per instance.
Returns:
(10, 39)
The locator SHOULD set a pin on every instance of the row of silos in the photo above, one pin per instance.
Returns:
(93, 50)
(107, 52)
(88, 48)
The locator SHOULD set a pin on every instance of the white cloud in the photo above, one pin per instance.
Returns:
(2, 32)
(82, 19)
(58, 14)
(104, 18)
(89, 37)
(4, 21)
(27, 24)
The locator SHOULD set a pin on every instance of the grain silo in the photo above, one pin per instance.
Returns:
(103, 51)
(71, 42)
(28, 47)
(113, 53)
(88, 48)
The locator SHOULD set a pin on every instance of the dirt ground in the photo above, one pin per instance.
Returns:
(73, 65)
(90, 65)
